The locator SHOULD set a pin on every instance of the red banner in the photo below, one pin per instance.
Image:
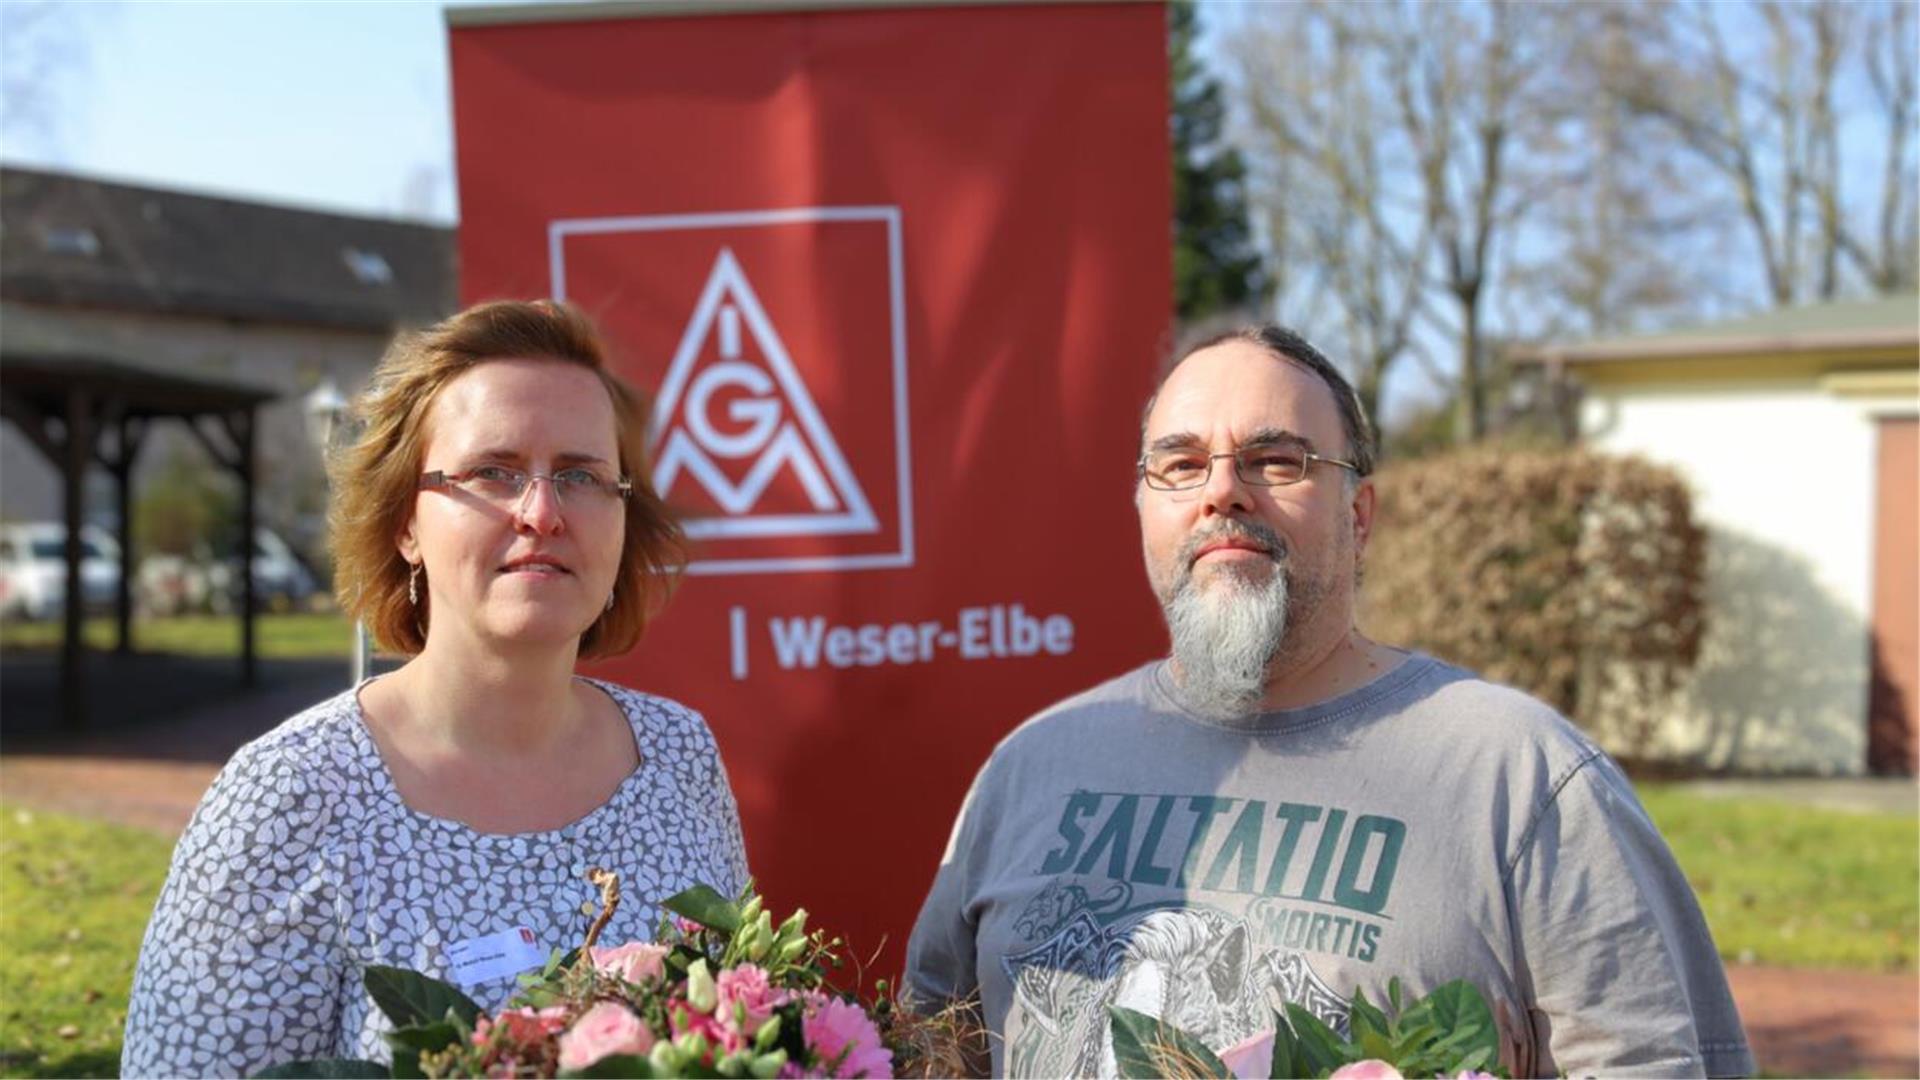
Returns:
(899, 278)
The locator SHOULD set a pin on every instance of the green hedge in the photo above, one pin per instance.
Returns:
(1574, 576)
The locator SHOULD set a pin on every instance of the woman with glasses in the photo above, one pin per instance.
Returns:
(495, 523)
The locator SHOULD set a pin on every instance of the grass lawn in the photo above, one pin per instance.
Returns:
(74, 900)
(1797, 886)
(278, 637)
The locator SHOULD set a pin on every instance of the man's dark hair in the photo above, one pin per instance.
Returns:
(1284, 344)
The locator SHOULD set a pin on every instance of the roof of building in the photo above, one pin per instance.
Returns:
(43, 383)
(70, 240)
(1889, 322)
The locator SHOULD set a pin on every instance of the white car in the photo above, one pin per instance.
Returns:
(33, 569)
(172, 584)
(281, 581)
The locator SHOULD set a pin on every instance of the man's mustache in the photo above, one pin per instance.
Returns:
(1252, 532)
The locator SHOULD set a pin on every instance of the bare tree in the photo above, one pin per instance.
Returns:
(1753, 91)
(1892, 260)
(43, 49)
(1624, 237)
(1350, 233)
(1403, 132)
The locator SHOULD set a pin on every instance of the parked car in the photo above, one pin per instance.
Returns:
(33, 569)
(172, 584)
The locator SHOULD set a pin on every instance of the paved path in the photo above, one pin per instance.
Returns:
(1830, 1023)
(1801, 1023)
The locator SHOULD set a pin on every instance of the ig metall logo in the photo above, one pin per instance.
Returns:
(780, 428)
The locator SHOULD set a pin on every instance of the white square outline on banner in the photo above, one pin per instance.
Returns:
(560, 228)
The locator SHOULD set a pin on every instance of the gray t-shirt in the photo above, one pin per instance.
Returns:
(1117, 849)
(302, 866)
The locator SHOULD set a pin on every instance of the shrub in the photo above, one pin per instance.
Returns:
(1574, 576)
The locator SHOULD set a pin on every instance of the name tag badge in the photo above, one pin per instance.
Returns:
(494, 956)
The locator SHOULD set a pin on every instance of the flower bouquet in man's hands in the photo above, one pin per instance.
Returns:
(1449, 1033)
(721, 991)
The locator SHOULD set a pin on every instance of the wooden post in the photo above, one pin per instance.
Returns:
(242, 430)
(78, 452)
(123, 497)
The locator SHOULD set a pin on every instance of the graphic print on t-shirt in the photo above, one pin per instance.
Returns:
(1204, 910)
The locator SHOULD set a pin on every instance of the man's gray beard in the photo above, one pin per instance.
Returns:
(1224, 637)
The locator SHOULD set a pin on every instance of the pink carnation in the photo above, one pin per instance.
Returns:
(747, 986)
(520, 1025)
(601, 1031)
(683, 1021)
(636, 961)
(834, 1028)
(1370, 1069)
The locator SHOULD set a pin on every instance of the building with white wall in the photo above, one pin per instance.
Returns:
(276, 298)
(1796, 430)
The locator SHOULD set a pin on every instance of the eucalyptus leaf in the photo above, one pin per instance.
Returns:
(411, 999)
(707, 907)
(1146, 1047)
(325, 1069)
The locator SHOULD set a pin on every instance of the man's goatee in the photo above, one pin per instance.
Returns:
(1227, 633)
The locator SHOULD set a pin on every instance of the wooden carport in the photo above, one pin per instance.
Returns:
(64, 404)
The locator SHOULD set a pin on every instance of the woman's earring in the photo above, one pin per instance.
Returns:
(609, 600)
(413, 586)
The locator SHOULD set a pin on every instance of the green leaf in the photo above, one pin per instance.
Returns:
(325, 1069)
(1370, 1027)
(1287, 1061)
(1323, 1050)
(1146, 1047)
(1374, 1045)
(1410, 1040)
(409, 1043)
(411, 999)
(1462, 1015)
(614, 1065)
(707, 907)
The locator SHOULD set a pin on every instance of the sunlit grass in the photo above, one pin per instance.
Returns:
(277, 637)
(74, 899)
(1797, 886)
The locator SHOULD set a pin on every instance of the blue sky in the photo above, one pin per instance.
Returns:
(340, 105)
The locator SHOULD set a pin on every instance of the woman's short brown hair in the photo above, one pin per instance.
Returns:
(375, 480)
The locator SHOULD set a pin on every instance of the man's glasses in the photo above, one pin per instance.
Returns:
(1263, 464)
(577, 486)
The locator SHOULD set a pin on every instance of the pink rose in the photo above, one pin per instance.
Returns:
(1370, 1069)
(840, 1035)
(635, 962)
(603, 1030)
(1250, 1058)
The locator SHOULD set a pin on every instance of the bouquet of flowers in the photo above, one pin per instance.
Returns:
(721, 991)
(1449, 1033)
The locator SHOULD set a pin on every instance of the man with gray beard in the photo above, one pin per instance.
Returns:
(1306, 811)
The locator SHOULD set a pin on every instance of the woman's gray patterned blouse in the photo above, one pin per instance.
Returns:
(302, 866)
